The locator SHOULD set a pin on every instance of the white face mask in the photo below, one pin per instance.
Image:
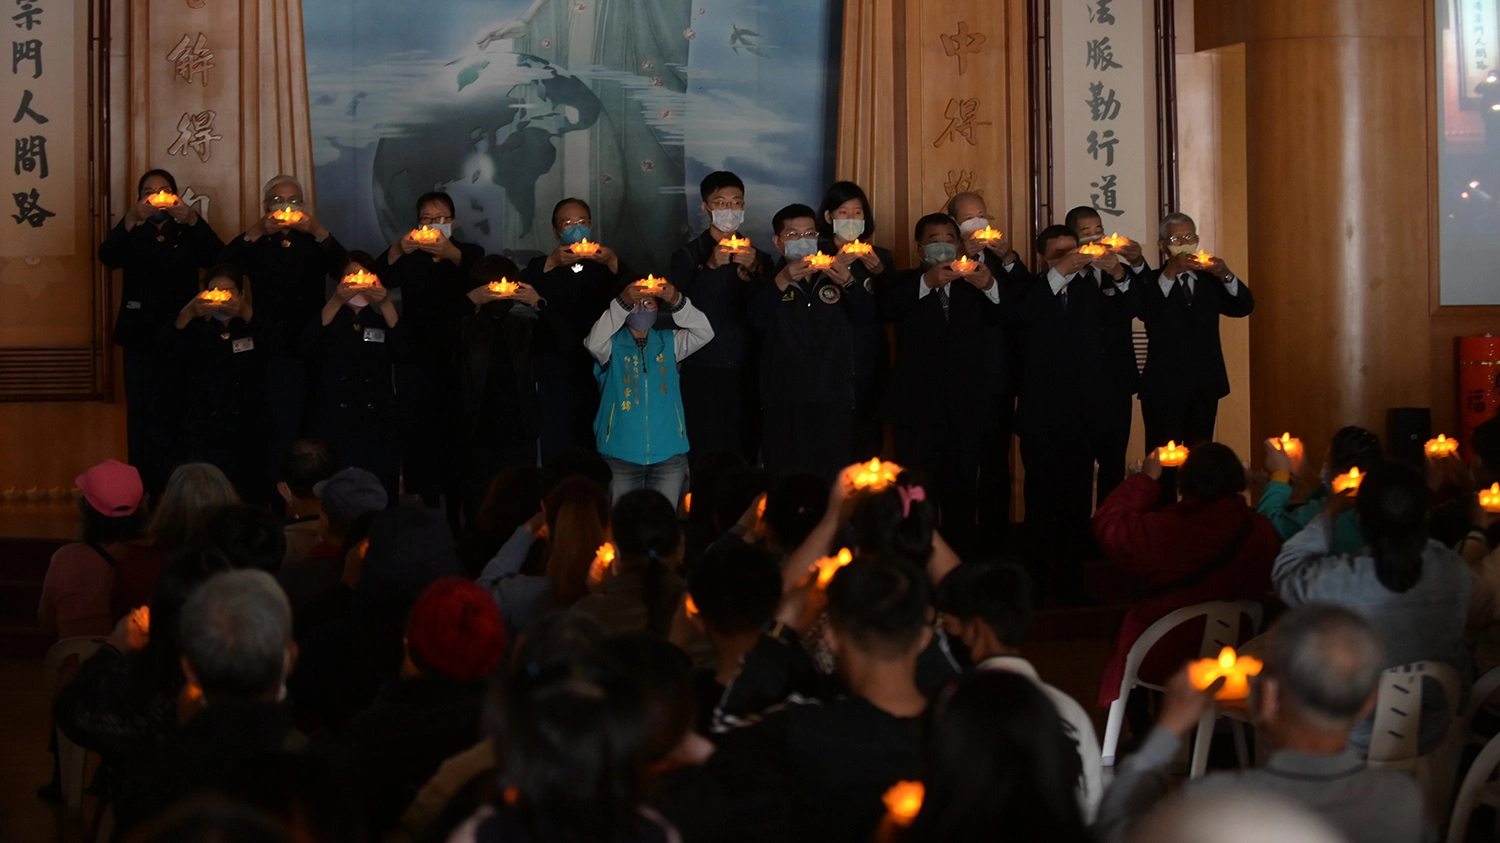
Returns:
(968, 227)
(797, 250)
(847, 230)
(728, 220)
(445, 227)
(358, 300)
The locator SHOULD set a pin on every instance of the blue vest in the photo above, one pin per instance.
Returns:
(640, 407)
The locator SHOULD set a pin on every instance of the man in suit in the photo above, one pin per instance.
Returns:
(1066, 417)
(1116, 404)
(972, 215)
(1181, 304)
(944, 388)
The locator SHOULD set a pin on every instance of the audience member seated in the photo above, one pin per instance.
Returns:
(793, 506)
(250, 537)
(306, 464)
(736, 589)
(1352, 447)
(575, 520)
(1321, 678)
(122, 703)
(571, 757)
(302, 792)
(1453, 484)
(80, 577)
(347, 498)
(509, 502)
(1414, 590)
(988, 608)
(1208, 546)
(237, 650)
(699, 529)
(194, 492)
(454, 640)
(640, 590)
(346, 660)
(998, 766)
(1232, 818)
(456, 790)
(835, 757)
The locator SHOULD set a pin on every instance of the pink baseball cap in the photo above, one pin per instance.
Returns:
(112, 488)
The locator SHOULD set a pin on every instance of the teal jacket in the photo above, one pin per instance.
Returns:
(640, 405)
(1347, 537)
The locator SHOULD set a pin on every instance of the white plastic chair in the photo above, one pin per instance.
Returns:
(70, 756)
(1479, 788)
(1221, 629)
(1398, 727)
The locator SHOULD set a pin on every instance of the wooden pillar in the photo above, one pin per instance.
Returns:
(1338, 135)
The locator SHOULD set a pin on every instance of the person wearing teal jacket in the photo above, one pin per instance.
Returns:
(639, 428)
(1351, 447)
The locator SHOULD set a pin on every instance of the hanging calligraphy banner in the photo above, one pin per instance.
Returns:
(1478, 49)
(43, 92)
(1104, 114)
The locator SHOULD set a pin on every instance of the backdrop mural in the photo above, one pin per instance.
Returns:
(512, 105)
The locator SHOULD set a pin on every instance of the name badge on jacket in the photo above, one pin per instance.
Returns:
(243, 344)
(374, 335)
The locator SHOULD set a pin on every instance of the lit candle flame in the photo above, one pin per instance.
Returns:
(1092, 250)
(1235, 669)
(1442, 446)
(1490, 498)
(963, 266)
(216, 295)
(651, 284)
(360, 279)
(735, 243)
(904, 801)
(857, 247)
(162, 199)
(820, 261)
(690, 606)
(504, 287)
(830, 565)
(873, 474)
(286, 216)
(1115, 241)
(425, 234)
(1348, 482)
(584, 248)
(987, 234)
(1173, 454)
(1201, 257)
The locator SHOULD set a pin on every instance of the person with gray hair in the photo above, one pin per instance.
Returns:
(1321, 677)
(237, 649)
(288, 256)
(1181, 303)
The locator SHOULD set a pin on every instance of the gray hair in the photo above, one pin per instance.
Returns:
(268, 191)
(1175, 218)
(958, 197)
(1329, 661)
(235, 630)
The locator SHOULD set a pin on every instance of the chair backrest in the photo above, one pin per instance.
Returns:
(1221, 628)
(1472, 792)
(64, 652)
(1398, 711)
(1484, 688)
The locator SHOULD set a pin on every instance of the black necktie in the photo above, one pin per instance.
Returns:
(943, 299)
(1187, 289)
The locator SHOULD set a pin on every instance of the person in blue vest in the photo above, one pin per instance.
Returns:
(639, 429)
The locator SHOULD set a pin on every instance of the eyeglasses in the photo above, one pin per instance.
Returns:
(429, 219)
(810, 234)
(1183, 240)
(724, 204)
(572, 221)
(282, 200)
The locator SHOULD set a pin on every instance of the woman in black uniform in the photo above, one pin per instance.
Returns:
(219, 362)
(161, 249)
(351, 349)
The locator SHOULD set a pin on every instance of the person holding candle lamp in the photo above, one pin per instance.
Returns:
(946, 385)
(809, 319)
(575, 288)
(845, 217)
(352, 348)
(1181, 304)
(159, 248)
(1352, 447)
(287, 263)
(1074, 409)
(1417, 593)
(217, 359)
(1209, 546)
(431, 270)
(1321, 678)
(720, 389)
(639, 429)
(1087, 224)
(499, 416)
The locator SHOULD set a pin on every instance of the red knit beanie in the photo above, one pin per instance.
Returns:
(456, 629)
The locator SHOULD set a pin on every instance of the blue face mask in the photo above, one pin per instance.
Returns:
(574, 233)
(936, 253)
(159, 216)
(797, 250)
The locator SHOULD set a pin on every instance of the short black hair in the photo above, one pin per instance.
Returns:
(998, 594)
(795, 504)
(838, 193)
(929, 221)
(1213, 471)
(437, 196)
(571, 200)
(796, 210)
(1080, 213)
(881, 603)
(1050, 233)
(140, 184)
(492, 268)
(1485, 443)
(736, 587)
(1354, 446)
(306, 463)
(364, 259)
(227, 271)
(645, 523)
(250, 537)
(717, 181)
